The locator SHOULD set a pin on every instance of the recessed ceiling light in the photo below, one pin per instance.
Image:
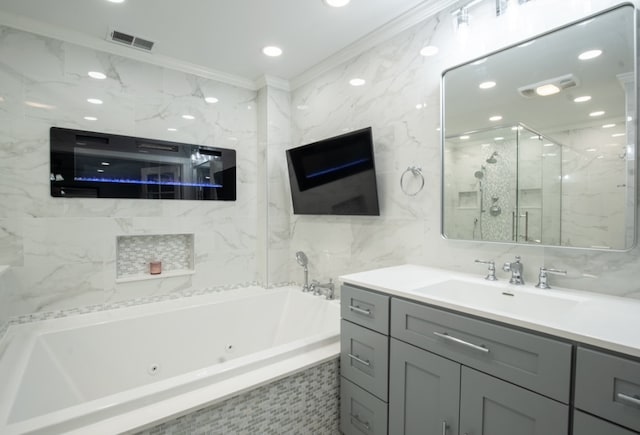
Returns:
(464, 137)
(487, 85)
(105, 163)
(116, 1)
(429, 50)
(618, 135)
(591, 150)
(357, 82)
(336, 3)
(608, 126)
(496, 118)
(548, 145)
(498, 138)
(211, 100)
(90, 118)
(600, 157)
(100, 170)
(582, 99)
(546, 90)
(597, 113)
(97, 75)
(172, 129)
(272, 51)
(590, 54)
(516, 128)
(94, 101)
(188, 117)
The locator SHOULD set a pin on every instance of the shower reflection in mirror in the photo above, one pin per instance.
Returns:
(503, 184)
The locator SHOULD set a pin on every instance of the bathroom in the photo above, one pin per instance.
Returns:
(61, 257)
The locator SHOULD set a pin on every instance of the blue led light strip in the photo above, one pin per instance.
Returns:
(153, 183)
(337, 168)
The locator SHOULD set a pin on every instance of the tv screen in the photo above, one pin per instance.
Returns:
(335, 176)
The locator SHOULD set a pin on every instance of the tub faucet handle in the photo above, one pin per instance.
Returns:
(543, 280)
(491, 274)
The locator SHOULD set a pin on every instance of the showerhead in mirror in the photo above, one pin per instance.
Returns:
(492, 159)
(479, 175)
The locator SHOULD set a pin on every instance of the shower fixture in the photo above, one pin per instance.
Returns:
(492, 159)
(302, 260)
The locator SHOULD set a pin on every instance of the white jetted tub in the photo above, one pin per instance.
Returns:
(120, 370)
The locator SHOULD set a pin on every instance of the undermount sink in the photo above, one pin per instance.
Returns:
(506, 299)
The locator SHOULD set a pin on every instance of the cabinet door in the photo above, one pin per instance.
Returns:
(489, 406)
(423, 392)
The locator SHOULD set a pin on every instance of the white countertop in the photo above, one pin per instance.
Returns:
(608, 322)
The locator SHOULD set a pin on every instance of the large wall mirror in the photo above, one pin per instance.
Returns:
(539, 140)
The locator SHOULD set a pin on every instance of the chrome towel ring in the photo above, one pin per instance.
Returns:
(416, 172)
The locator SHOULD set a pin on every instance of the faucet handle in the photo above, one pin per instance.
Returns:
(491, 275)
(543, 282)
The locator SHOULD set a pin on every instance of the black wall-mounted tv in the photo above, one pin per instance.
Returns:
(335, 176)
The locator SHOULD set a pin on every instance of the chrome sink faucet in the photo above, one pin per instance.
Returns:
(543, 279)
(515, 268)
(327, 288)
(491, 274)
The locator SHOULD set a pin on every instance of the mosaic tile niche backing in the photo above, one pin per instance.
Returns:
(134, 253)
(303, 403)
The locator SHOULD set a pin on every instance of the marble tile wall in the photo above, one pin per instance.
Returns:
(62, 251)
(400, 100)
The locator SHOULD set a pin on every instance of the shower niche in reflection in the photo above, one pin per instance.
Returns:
(99, 165)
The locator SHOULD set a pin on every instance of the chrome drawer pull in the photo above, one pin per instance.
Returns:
(362, 423)
(360, 310)
(630, 400)
(361, 361)
(448, 337)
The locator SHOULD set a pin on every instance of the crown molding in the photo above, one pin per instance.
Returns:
(73, 37)
(273, 82)
(418, 14)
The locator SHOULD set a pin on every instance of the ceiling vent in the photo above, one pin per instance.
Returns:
(130, 40)
(549, 86)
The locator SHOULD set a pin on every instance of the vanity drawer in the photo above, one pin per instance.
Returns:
(361, 412)
(364, 358)
(365, 308)
(608, 386)
(585, 424)
(534, 362)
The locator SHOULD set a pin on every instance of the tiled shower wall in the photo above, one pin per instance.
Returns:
(401, 101)
(62, 251)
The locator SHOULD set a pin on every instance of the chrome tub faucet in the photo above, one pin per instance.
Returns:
(327, 288)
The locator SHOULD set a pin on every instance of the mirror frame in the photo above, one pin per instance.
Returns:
(636, 124)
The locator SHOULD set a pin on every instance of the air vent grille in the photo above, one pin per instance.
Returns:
(130, 40)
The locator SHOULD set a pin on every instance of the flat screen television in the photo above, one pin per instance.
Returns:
(335, 176)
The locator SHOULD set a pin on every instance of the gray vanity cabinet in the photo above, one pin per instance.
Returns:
(424, 393)
(364, 362)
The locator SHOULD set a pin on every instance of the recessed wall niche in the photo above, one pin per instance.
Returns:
(134, 255)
